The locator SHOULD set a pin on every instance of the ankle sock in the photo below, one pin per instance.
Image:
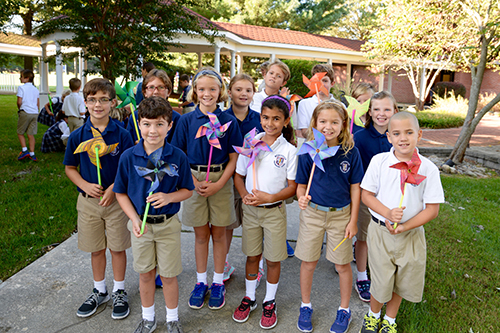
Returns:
(375, 315)
(391, 321)
(100, 286)
(201, 277)
(250, 286)
(117, 285)
(218, 278)
(346, 309)
(172, 314)
(271, 289)
(148, 313)
(362, 276)
(307, 305)
(32, 153)
(24, 149)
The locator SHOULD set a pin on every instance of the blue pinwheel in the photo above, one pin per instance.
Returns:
(155, 170)
(318, 150)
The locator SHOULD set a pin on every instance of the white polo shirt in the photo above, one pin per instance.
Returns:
(30, 94)
(74, 105)
(256, 104)
(385, 182)
(306, 109)
(273, 169)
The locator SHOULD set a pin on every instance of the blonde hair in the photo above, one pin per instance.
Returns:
(345, 137)
(378, 96)
(212, 73)
(283, 67)
(240, 77)
(324, 68)
(361, 89)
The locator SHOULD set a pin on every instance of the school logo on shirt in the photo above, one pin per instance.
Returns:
(279, 161)
(345, 166)
(116, 151)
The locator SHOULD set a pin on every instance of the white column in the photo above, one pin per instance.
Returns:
(329, 62)
(199, 60)
(217, 58)
(381, 79)
(75, 66)
(59, 72)
(84, 74)
(80, 65)
(233, 63)
(44, 73)
(348, 78)
(272, 57)
(239, 58)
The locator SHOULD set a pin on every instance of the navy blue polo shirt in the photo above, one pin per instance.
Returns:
(252, 120)
(198, 150)
(356, 128)
(112, 134)
(136, 187)
(131, 128)
(331, 188)
(370, 143)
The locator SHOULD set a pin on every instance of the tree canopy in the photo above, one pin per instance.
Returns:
(360, 21)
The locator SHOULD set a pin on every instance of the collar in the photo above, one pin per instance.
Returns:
(279, 141)
(200, 114)
(138, 149)
(111, 127)
(374, 133)
(394, 159)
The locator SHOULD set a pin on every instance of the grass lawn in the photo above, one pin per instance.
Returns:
(38, 209)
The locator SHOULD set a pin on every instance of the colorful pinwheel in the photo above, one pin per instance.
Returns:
(356, 110)
(155, 170)
(251, 148)
(409, 174)
(126, 95)
(318, 150)
(213, 131)
(315, 85)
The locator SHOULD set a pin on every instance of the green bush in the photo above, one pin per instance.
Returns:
(297, 68)
(442, 89)
(444, 113)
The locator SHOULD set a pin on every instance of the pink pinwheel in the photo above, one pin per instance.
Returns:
(251, 148)
(213, 131)
(315, 85)
(318, 150)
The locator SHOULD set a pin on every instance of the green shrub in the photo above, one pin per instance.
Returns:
(297, 68)
(444, 113)
(442, 89)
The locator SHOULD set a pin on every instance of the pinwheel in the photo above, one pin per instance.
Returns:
(126, 95)
(155, 170)
(356, 110)
(95, 147)
(315, 86)
(251, 148)
(409, 175)
(213, 131)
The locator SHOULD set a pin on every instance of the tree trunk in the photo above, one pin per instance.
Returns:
(28, 30)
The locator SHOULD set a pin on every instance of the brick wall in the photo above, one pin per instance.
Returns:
(491, 82)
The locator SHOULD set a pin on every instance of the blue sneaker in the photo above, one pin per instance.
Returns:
(363, 289)
(304, 324)
(217, 296)
(289, 250)
(158, 282)
(342, 322)
(33, 158)
(22, 155)
(197, 298)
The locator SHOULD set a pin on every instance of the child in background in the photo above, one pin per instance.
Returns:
(241, 90)
(263, 70)
(334, 214)
(28, 104)
(264, 217)
(398, 254)
(47, 114)
(161, 242)
(146, 68)
(370, 141)
(74, 105)
(56, 136)
(211, 209)
(184, 106)
(362, 92)
(275, 78)
(101, 221)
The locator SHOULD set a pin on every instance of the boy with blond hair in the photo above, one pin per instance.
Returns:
(276, 77)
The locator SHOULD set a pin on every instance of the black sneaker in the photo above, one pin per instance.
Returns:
(120, 304)
(93, 301)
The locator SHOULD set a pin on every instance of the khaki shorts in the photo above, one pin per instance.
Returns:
(312, 227)
(217, 209)
(397, 263)
(27, 123)
(268, 224)
(161, 246)
(364, 219)
(238, 209)
(75, 123)
(101, 227)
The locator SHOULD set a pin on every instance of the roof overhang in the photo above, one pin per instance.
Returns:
(20, 50)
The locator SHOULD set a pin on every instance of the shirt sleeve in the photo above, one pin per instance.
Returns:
(235, 138)
(433, 192)
(20, 92)
(186, 180)
(65, 107)
(121, 179)
(181, 132)
(81, 106)
(356, 175)
(303, 169)
(301, 115)
(291, 172)
(241, 165)
(71, 159)
(370, 181)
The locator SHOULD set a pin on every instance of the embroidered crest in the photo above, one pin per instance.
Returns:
(279, 161)
(345, 166)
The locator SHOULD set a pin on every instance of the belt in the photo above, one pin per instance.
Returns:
(376, 220)
(157, 218)
(85, 195)
(326, 209)
(274, 205)
(204, 168)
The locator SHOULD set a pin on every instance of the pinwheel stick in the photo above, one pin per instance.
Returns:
(336, 247)
(146, 213)
(352, 119)
(209, 161)
(310, 179)
(400, 204)
(254, 175)
(317, 93)
(98, 163)
(50, 105)
(135, 121)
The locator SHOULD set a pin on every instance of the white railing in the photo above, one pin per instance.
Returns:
(10, 82)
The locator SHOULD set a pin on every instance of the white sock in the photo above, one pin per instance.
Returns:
(201, 277)
(172, 314)
(100, 286)
(391, 321)
(270, 291)
(306, 305)
(218, 278)
(117, 285)
(261, 263)
(24, 149)
(362, 276)
(250, 285)
(375, 315)
(346, 309)
(148, 313)
(32, 153)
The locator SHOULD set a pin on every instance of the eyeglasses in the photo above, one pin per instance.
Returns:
(102, 101)
(152, 88)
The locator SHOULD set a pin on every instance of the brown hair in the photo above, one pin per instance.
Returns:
(378, 96)
(361, 89)
(324, 68)
(184, 77)
(75, 84)
(95, 85)
(157, 73)
(282, 105)
(148, 66)
(28, 74)
(239, 77)
(283, 67)
(155, 107)
(209, 72)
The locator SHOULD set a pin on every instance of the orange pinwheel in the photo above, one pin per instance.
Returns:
(315, 85)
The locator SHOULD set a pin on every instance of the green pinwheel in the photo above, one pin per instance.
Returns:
(126, 95)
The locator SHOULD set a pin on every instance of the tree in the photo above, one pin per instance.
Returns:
(119, 34)
(359, 22)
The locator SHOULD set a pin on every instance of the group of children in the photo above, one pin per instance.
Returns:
(357, 194)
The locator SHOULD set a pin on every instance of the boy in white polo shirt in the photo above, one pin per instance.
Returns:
(74, 105)
(28, 104)
(396, 238)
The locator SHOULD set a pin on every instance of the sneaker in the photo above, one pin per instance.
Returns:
(217, 296)
(146, 326)
(33, 158)
(174, 327)
(120, 304)
(158, 282)
(289, 250)
(341, 323)
(93, 301)
(22, 155)
(304, 324)
(370, 324)
(197, 298)
(363, 289)
(388, 328)
(242, 312)
(269, 318)
(228, 271)
(260, 274)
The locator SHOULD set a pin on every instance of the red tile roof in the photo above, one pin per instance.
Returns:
(22, 40)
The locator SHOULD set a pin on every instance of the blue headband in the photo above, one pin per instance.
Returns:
(281, 98)
(208, 72)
